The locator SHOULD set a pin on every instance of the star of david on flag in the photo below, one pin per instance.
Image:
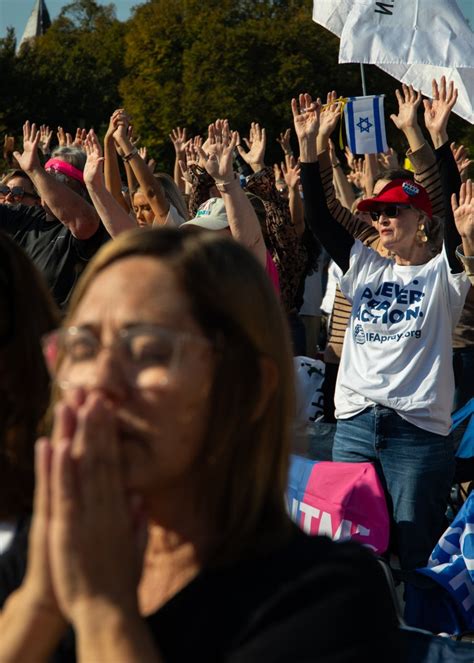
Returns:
(365, 124)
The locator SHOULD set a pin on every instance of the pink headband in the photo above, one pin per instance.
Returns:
(65, 168)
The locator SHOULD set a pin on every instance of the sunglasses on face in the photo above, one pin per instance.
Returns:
(392, 211)
(16, 192)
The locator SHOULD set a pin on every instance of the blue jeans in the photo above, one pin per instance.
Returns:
(416, 468)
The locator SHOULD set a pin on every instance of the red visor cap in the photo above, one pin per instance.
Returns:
(403, 192)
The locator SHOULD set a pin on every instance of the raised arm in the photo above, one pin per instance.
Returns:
(438, 110)
(243, 221)
(336, 240)
(113, 180)
(111, 213)
(464, 219)
(291, 172)
(436, 117)
(345, 193)
(178, 138)
(66, 205)
(150, 186)
(329, 118)
(256, 143)
(406, 121)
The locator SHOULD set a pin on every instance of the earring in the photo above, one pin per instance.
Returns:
(421, 234)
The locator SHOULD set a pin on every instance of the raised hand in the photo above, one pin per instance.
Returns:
(112, 124)
(306, 114)
(330, 115)
(408, 103)
(64, 138)
(388, 159)
(350, 158)
(291, 172)
(438, 110)
(284, 141)
(29, 160)
(464, 211)
(461, 156)
(122, 129)
(178, 138)
(357, 174)
(8, 144)
(256, 143)
(332, 153)
(218, 157)
(79, 138)
(94, 168)
(45, 138)
(8, 149)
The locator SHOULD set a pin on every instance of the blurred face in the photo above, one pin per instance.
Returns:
(142, 209)
(18, 190)
(136, 342)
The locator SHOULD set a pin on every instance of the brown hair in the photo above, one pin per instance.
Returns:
(244, 463)
(27, 312)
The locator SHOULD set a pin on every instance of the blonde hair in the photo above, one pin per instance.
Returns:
(244, 462)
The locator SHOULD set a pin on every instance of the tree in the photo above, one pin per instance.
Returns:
(70, 75)
(190, 61)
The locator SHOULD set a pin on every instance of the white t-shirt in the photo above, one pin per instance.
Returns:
(397, 348)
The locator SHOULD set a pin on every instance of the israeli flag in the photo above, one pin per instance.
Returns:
(365, 124)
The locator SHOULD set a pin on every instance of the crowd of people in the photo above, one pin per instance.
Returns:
(148, 323)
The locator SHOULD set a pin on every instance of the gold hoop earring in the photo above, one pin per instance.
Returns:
(421, 234)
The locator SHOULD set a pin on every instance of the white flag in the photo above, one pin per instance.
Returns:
(332, 15)
(336, 14)
(365, 125)
(432, 32)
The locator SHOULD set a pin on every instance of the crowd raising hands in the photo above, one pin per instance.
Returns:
(173, 379)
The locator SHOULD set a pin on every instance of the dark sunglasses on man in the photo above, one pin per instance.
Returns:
(17, 193)
(391, 211)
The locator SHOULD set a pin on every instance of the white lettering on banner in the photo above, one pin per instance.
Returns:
(384, 8)
(309, 512)
(461, 579)
(468, 531)
(325, 526)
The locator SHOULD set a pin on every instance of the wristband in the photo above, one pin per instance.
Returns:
(336, 165)
(133, 153)
(466, 261)
(225, 187)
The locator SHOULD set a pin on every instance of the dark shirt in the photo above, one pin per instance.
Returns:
(52, 247)
(309, 600)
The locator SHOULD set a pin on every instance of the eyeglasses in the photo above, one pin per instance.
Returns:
(150, 355)
(16, 192)
(392, 211)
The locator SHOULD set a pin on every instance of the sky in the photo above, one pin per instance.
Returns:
(16, 12)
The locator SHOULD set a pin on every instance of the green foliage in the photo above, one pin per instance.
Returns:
(182, 62)
(70, 75)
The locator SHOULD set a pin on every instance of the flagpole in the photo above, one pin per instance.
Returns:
(362, 74)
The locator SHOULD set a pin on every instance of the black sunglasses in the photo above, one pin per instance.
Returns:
(17, 192)
(391, 211)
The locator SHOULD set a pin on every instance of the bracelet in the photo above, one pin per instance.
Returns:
(466, 261)
(336, 165)
(225, 187)
(127, 157)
